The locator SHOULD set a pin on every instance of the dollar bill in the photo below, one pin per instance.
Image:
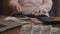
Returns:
(46, 29)
(55, 31)
(26, 29)
(36, 28)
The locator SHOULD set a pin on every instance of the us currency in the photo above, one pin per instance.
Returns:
(55, 31)
(58, 32)
(46, 29)
(26, 29)
(36, 29)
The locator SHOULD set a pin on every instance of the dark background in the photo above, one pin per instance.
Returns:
(0, 7)
(53, 10)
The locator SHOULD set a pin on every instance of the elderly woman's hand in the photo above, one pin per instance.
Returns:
(17, 8)
(36, 10)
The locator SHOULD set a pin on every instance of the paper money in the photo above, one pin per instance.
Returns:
(36, 28)
(54, 30)
(46, 29)
(26, 29)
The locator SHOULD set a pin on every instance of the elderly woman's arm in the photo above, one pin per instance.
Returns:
(13, 2)
(44, 8)
(47, 5)
(15, 5)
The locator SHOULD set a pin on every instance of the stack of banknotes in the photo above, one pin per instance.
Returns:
(39, 29)
(33, 28)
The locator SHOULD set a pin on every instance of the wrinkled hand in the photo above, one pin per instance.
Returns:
(36, 10)
(17, 8)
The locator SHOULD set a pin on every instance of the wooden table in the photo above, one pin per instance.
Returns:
(11, 27)
(57, 19)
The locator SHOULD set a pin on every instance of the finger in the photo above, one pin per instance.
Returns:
(39, 11)
(34, 11)
(19, 9)
(16, 8)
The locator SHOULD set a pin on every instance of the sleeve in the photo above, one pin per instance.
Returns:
(13, 2)
(47, 5)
